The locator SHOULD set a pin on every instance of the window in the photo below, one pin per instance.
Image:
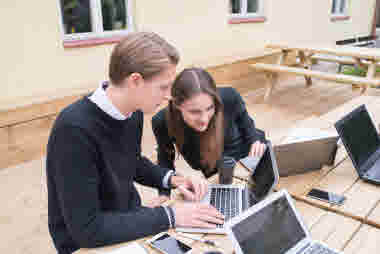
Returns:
(89, 19)
(244, 7)
(246, 11)
(339, 7)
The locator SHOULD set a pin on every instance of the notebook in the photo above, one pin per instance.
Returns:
(231, 200)
(362, 142)
(273, 226)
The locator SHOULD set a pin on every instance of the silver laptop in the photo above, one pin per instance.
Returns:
(304, 156)
(231, 200)
(273, 226)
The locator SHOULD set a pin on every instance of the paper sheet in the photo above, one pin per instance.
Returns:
(134, 248)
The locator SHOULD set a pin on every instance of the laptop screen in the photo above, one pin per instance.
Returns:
(272, 229)
(360, 135)
(263, 177)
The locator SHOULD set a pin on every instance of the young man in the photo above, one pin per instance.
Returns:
(94, 156)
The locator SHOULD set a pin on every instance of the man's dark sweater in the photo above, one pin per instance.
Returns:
(92, 162)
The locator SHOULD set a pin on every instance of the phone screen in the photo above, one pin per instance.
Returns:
(327, 196)
(170, 245)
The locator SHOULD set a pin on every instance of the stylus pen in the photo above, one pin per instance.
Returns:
(197, 238)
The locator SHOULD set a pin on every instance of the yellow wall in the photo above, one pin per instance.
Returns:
(35, 66)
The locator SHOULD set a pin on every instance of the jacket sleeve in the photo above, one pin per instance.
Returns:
(165, 146)
(245, 122)
(76, 178)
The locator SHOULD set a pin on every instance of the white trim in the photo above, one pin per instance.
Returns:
(97, 23)
(243, 10)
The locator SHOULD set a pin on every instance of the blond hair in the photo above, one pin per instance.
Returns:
(141, 52)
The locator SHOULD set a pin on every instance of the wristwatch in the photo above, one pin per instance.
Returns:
(173, 173)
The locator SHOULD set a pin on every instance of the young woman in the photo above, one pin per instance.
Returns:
(204, 124)
(94, 156)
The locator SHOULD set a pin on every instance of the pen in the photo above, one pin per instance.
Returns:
(197, 238)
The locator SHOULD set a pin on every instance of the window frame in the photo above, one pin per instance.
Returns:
(340, 16)
(99, 36)
(247, 17)
(243, 10)
(338, 5)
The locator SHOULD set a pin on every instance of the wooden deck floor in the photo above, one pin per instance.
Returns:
(23, 218)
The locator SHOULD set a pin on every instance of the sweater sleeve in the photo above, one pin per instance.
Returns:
(165, 146)
(150, 174)
(76, 178)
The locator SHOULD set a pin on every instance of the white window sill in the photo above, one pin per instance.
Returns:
(339, 17)
(90, 42)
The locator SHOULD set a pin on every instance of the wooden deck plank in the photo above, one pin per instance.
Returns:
(374, 217)
(362, 198)
(365, 241)
(335, 230)
(338, 181)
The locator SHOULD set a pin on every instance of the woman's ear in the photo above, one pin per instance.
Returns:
(135, 79)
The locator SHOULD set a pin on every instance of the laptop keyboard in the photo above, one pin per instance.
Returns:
(371, 160)
(226, 201)
(318, 249)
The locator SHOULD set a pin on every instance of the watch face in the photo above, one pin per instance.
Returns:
(170, 179)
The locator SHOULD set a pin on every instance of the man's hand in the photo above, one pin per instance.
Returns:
(193, 189)
(157, 201)
(196, 215)
(257, 149)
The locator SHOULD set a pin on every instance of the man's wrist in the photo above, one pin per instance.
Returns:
(170, 213)
(171, 181)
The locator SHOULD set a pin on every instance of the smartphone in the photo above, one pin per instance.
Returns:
(167, 244)
(329, 197)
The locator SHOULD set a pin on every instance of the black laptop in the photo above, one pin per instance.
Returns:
(362, 142)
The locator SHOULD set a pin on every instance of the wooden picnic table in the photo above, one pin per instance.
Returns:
(361, 53)
(367, 58)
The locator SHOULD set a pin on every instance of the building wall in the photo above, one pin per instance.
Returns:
(36, 67)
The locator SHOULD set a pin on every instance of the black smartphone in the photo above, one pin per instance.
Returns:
(326, 196)
(168, 244)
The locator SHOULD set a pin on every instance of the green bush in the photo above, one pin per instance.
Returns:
(357, 71)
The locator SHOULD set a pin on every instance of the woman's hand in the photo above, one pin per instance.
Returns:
(257, 149)
(193, 189)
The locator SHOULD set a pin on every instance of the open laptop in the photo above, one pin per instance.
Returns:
(232, 200)
(273, 226)
(362, 142)
(305, 156)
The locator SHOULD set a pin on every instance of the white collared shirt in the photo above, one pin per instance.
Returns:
(100, 98)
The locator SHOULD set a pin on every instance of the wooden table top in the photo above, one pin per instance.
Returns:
(349, 51)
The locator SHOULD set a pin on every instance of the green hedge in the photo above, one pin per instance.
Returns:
(357, 71)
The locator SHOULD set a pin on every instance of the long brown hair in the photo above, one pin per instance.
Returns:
(189, 83)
